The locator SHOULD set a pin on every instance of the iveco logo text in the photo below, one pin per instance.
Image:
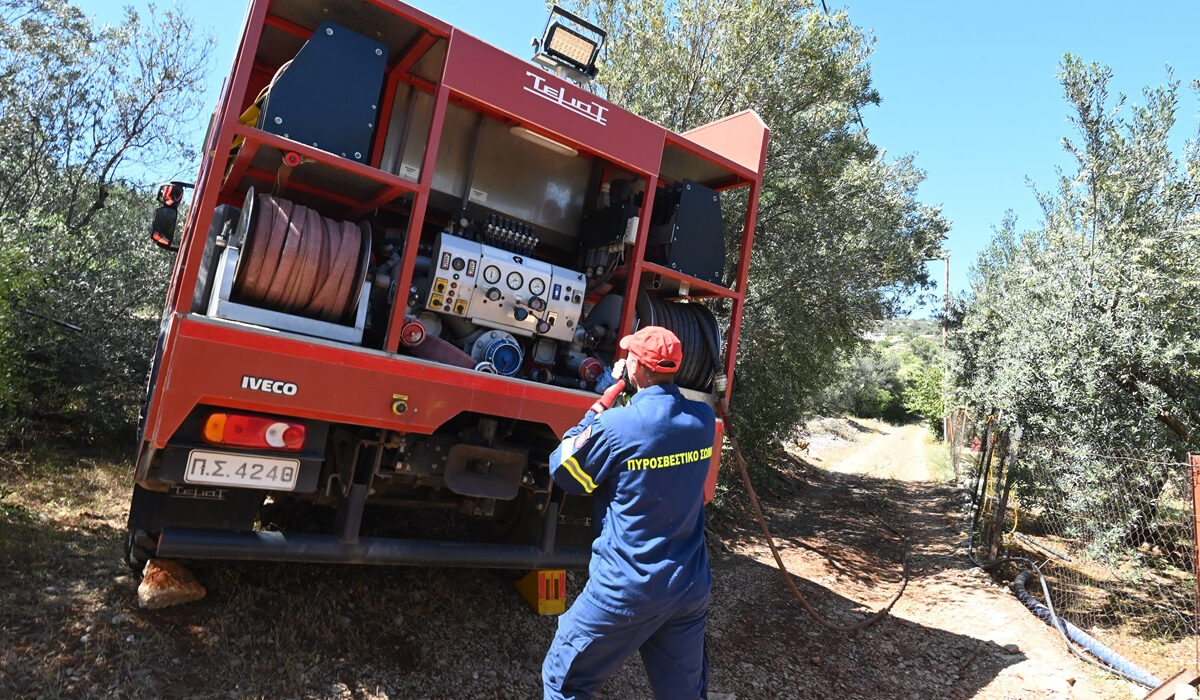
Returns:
(268, 385)
(558, 95)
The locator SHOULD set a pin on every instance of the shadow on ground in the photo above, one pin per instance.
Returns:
(285, 630)
(69, 625)
(840, 536)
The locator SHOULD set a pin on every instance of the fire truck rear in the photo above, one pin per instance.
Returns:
(403, 273)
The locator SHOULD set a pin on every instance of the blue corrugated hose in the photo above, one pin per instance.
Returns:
(1112, 659)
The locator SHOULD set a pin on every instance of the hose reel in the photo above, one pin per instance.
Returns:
(698, 333)
(298, 262)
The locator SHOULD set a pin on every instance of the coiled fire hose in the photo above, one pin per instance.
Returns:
(723, 412)
(696, 327)
(299, 262)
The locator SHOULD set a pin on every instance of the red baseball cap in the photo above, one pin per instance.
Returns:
(655, 347)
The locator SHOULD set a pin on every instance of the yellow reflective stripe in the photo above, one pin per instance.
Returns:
(579, 474)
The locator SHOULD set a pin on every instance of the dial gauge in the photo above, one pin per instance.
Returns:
(514, 280)
(491, 274)
(537, 286)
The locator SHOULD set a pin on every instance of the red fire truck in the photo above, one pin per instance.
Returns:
(406, 264)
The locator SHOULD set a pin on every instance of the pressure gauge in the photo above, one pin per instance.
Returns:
(537, 286)
(491, 274)
(514, 280)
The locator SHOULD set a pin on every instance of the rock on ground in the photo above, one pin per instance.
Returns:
(166, 583)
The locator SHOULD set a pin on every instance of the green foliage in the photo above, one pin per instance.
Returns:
(926, 349)
(923, 395)
(941, 467)
(82, 109)
(867, 385)
(841, 236)
(1085, 330)
(908, 329)
(893, 378)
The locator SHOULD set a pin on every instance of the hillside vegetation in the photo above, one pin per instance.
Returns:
(896, 376)
(87, 113)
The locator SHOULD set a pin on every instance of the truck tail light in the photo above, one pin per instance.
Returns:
(253, 431)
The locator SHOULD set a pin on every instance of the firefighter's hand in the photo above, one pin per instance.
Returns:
(618, 370)
(610, 395)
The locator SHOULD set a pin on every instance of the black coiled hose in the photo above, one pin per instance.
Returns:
(698, 332)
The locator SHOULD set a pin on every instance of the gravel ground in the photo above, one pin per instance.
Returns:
(69, 625)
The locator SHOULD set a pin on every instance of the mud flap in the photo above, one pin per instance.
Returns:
(194, 506)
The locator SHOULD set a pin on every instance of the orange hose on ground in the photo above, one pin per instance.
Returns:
(723, 410)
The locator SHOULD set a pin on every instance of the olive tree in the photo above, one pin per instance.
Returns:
(86, 112)
(841, 234)
(1085, 330)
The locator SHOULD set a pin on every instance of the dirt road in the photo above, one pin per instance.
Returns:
(954, 633)
(884, 452)
(69, 625)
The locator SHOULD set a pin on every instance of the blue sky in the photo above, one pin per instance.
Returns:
(969, 88)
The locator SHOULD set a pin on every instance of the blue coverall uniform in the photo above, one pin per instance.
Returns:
(649, 583)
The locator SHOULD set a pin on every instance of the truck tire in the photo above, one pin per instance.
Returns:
(140, 547)
(151, 377)
(140, 543)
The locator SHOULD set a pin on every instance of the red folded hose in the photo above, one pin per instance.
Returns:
(299, 262)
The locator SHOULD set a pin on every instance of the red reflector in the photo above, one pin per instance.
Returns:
(293, 437)
(253, 431)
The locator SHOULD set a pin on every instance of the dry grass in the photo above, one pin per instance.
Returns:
(60, 522)
(1145, 611)
(70, 626)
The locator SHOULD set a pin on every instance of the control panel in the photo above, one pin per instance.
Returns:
(500, 289)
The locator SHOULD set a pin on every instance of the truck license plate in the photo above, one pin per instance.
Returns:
(223, 469)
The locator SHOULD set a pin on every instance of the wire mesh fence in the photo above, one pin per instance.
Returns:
(1113, 534)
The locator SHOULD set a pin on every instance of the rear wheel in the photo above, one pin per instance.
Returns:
(140, 547)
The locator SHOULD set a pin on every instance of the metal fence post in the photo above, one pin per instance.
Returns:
(1194, 462)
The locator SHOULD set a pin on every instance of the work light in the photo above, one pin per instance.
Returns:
(564, 43)
(570, 44)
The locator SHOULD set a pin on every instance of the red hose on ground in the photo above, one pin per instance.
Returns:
(723, 411)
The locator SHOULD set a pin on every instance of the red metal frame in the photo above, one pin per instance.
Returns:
(484, 75)
(288, 26)
(396, 73)
(417, 219)
(204, 359)
(270, 178)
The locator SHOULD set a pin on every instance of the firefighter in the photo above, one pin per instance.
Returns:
(645, 464)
